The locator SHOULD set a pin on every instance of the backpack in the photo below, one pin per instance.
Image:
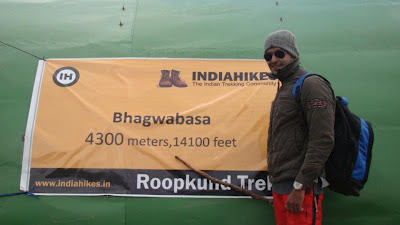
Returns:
(348, 165)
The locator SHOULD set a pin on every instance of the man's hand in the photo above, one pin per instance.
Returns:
(295, 201)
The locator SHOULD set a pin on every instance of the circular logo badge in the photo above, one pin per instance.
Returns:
(66, 76)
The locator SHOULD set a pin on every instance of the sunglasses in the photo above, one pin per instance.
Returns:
(278, 53)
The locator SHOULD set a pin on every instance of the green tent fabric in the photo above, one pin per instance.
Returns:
(355, 44)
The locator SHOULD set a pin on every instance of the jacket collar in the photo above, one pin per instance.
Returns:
(290, 71)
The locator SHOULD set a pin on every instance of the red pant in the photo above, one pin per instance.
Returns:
(309, 216)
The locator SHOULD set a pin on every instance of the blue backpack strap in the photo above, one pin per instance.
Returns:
(296, 91)
(298, 86)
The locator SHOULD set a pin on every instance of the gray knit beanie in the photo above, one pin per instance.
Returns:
(283, 39)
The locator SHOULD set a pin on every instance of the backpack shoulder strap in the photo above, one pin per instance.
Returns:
(297, 87)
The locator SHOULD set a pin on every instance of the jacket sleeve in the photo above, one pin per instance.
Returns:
(318, 102)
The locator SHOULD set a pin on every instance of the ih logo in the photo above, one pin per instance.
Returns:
(66, 76)
(174, 79)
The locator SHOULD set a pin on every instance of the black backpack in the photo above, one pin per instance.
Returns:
(348, 165)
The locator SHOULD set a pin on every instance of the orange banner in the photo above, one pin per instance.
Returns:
(127, 114)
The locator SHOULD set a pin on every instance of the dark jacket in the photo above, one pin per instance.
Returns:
(299, 145)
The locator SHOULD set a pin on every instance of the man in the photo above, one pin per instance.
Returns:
(300, 138)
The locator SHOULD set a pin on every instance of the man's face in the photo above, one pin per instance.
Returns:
(276, 62)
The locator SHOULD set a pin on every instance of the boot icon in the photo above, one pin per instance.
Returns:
(165, 80)
(176, 80)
